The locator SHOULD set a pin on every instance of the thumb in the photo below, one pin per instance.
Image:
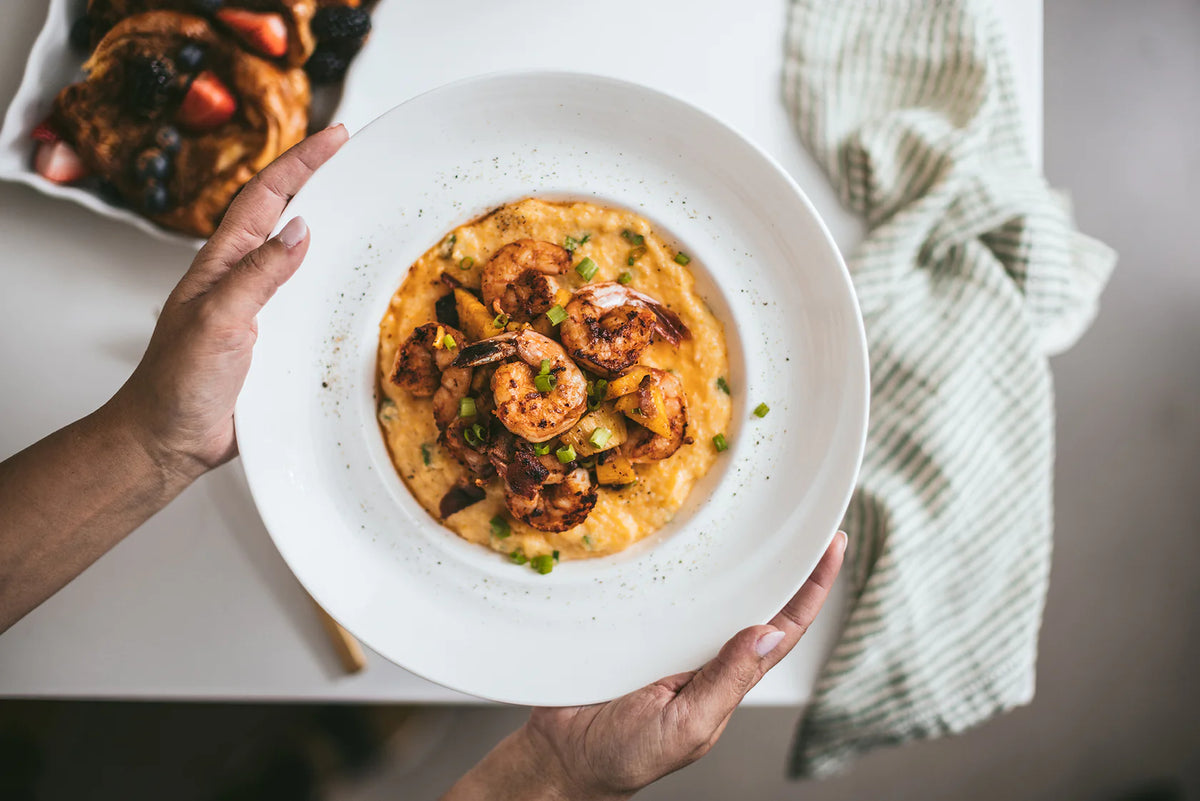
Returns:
(718, 687)
(252, 281)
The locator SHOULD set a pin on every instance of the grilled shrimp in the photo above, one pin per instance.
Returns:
(519, 279)
(520, 405)
(608, 326)
(425, 367)
(643, 445)
(540, 490)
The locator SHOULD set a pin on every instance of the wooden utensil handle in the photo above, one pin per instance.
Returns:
(348, 649)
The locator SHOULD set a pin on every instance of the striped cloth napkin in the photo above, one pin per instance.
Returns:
(971, 275)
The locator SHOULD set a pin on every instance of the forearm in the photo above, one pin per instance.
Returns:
(68, 499)
(516, 770)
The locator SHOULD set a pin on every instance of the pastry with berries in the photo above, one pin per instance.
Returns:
(174, 118)
(280, 30)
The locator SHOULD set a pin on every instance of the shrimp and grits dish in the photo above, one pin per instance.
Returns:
(551, 386)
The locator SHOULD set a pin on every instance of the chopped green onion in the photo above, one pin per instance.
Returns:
(632, 238)
(544, 367)
(426, 453)
(466, 407)
(600, 437)
(555, 555)
(448, 342)
(723, 385)
(586, 237)
(571, 243)
(500, 320)
(636, 254)
(588, 463)
(541, 448)
(500, 527)
(544, 383)
(587, 540)
(466, 264)
(625, 277)
(761, 410)
(472, 438)
(480, 432)
(556, 314)
(720, 443)
(595, 392)
(518, 557)
(542, 564)
(681, 258)
(566, 454)
(586, 268)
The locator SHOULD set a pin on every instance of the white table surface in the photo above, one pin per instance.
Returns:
(197, 604)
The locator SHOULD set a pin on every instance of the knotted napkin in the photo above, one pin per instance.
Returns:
(972, 273)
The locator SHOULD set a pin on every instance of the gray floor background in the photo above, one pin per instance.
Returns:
(1117, 713)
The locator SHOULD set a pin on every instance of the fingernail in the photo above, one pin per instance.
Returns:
(842, 539)
(766, 643)
(335, 125)
(294, 232)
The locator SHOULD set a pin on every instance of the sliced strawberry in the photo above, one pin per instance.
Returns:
(265, 32)
(45, 132)
(208, 103)
(58, 162)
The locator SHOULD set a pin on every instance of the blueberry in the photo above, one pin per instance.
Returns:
(151, 165)
(81, 33)
(149, 83)
(190, 57)
(167, 139)
(206, 6)
(154, 198)
(341, 23)
(326, 65)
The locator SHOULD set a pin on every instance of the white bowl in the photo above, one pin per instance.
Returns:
(752, 530)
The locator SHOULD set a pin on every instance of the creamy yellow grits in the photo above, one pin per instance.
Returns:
(623, 515)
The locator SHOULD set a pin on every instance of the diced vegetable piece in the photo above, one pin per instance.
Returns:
(565, 454)
(556, 314)
(426, 453)
(518, 557)
(646, 408)
(543, 563)
(682, 258)
(500, 527)
(605, 418)
(614, 470)
(545, 383)
(474, 318)
(627, 382)
(541, 448)
(723, 385)
(586, 268)
(600, 437)
(761, 410)
(625, 277)
(466, 407)
(720, 443)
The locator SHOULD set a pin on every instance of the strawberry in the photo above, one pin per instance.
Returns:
(265, 32)
(58, 162)
(45, 132)
(207, 104)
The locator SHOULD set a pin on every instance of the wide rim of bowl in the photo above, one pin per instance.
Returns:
(858, 412)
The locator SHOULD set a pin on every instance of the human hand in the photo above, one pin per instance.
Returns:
(181, 397)
(612, 750)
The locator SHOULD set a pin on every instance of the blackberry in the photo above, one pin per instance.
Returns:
(190, 57)
(154, 198)
(326, 65)
(148, 84)
(81, 33)
(341, 23)
(206, 6)
(151, 165)
(167, 139)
